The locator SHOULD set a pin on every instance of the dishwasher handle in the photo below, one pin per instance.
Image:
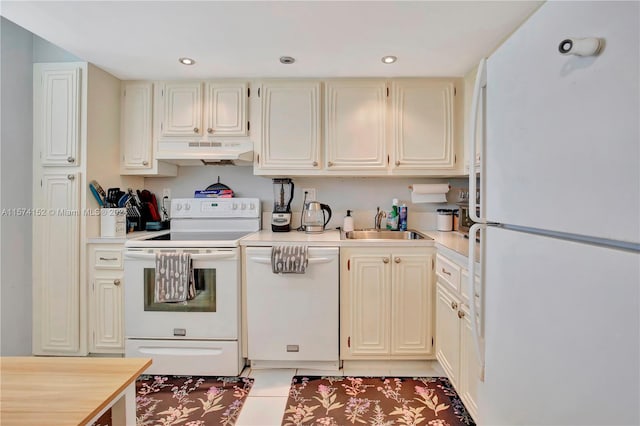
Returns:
(312, 260)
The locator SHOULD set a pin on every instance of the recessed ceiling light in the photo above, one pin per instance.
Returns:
(389, 59)
(186, 61)
(287, 60)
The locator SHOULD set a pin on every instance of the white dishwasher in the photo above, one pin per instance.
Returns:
(292, 319)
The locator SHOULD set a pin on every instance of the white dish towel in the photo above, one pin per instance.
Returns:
(174, 278)
(292, 259)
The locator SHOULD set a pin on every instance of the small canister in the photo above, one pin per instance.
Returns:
(456, 220)
(445, 220)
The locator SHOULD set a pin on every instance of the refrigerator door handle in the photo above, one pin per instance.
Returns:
(480, 83)
(477, 344)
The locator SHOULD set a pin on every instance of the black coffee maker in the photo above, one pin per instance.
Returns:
(282, 196)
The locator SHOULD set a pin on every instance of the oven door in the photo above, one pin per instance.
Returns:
(212, 314)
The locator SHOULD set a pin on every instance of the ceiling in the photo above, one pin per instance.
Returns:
(144, 39)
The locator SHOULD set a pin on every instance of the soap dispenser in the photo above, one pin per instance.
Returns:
(347, 226)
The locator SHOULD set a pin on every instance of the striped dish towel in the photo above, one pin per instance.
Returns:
(174, 278)
(289, 259)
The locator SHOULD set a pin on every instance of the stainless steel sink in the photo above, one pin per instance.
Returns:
(373, 234)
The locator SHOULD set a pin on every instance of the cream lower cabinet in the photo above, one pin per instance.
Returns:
(106, 302)
(56, 270)
(454, 339)
(386, 303)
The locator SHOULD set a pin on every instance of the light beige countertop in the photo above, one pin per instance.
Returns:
(122, 240)
(326, 238)
(268, 238)
(453, 241)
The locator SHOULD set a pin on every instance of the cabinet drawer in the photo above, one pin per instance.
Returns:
(107, 259)
(448, 273)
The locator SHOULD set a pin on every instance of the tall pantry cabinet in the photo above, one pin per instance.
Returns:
(76, 126)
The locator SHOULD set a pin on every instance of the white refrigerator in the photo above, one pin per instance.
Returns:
(559, 148)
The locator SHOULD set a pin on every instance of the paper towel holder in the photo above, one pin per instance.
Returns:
(411, 187)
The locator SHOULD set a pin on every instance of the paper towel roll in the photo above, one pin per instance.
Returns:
(432, 188)
(429, 193)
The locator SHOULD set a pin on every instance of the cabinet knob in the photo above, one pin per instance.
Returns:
(330, 164)
(385, 260)
(71, 160)
(196, 130)
(397, 260)
(454, 305)
(116, 282)
(209, 130)
(460, 314)
(71, 177)
(145, 163)
(397, 163)
(315, 164)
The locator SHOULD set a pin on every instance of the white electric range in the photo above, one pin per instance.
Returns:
(198, 336)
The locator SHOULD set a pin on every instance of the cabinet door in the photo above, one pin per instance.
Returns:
(57, 114)
(136, 121)
(226, 109)
(448, 333)
(355, 125)
(56, 284)
(108, 315)
(411, 311)
(469, 368)
(367, 306)
(290, 134)
(423, 124)
(182, 108)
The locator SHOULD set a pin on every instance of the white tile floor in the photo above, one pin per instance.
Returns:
(267, 399)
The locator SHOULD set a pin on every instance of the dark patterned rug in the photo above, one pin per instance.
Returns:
(377, 401)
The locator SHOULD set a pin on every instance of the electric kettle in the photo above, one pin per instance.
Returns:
(313, 217)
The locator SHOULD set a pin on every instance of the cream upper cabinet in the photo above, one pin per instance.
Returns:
(57, 106)
(202, 109)
(137, 155)
(386, 303)
(423, 125)
(56, 257)
(136, 125)
(290, 126)
(356, 125)
(182, 109)
(225, 109)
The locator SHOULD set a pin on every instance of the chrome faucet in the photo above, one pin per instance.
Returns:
(380, 214)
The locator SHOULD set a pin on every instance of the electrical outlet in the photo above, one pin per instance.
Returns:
(311, 194)
(166, 192)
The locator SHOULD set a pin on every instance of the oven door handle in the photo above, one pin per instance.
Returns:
(312, 260)
(195, 256)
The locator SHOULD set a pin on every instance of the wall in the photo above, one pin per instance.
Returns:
(18, 51)
(16, 135)
(362, 195)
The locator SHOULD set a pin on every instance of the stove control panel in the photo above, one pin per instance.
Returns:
(215, 207)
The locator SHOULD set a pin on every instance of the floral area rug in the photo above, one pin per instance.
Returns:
(190, 400)
(376, 401)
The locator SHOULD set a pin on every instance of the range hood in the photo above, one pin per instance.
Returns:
(198, 153)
